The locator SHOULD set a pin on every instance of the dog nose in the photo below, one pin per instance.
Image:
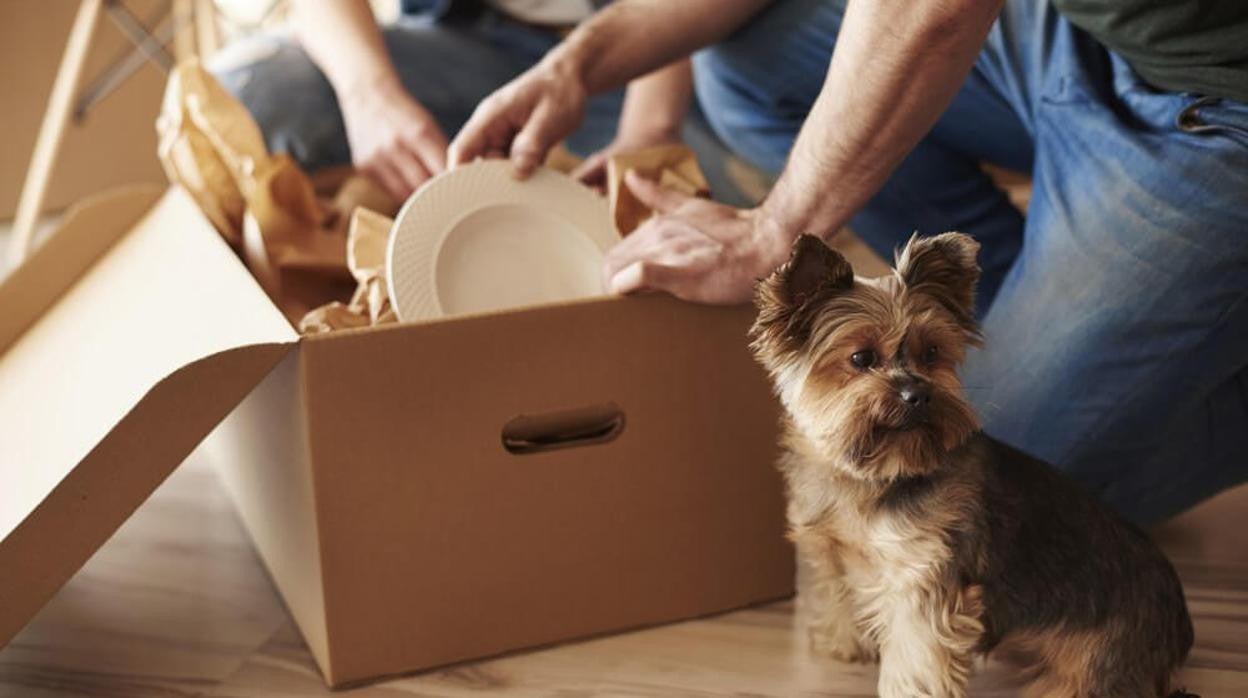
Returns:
(916, 395)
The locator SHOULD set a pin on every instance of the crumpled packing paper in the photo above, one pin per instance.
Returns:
(367, 236)
(673, 166)
(308, 239)
(292, 236)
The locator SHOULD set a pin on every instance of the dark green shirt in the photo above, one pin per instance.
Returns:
(1177, 45)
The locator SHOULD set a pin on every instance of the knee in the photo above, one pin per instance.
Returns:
(287, 95)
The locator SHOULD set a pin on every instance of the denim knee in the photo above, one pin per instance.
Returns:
(758, 85)
(730, 112)
(290, 99)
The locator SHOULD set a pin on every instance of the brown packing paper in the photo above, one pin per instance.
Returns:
(209, 144)
(367, 239)
(293, 241)
(673, 166)
(367, 236)
(330, 317)
(560, 159)
(357, 191)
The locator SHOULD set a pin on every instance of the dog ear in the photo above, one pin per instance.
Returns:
(813, 270)
(944, 267)
(814, 273)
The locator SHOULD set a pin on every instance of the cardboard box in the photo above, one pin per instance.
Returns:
(421, 494)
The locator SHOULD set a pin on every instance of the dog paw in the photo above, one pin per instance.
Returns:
(844, 645)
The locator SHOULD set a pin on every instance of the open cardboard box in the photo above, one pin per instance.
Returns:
(421, 493)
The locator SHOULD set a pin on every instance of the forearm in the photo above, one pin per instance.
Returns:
(896, 67)
(656, 104)
(634, 37)
(342, 38)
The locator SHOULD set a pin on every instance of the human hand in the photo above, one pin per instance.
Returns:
(523, 119)
(694, 249)
(394, 140)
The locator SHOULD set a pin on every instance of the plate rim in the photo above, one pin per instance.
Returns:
(600, 233)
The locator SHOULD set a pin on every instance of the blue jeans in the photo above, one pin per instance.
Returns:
(1115, 310)
(447, 65)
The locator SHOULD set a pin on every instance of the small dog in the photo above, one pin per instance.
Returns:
(929, 543)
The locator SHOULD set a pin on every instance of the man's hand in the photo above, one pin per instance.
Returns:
(695, 249)
(529, 115)
(394, 140)
(524, 119)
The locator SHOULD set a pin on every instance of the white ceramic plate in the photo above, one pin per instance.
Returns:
(475, 239)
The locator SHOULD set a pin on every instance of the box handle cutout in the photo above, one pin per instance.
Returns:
(581, 426)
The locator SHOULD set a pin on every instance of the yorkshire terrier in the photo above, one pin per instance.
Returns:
(929, 543)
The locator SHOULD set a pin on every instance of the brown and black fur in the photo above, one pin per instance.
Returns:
(929, 542)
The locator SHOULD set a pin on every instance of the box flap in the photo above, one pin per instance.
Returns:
(89, 229)
(111, 374)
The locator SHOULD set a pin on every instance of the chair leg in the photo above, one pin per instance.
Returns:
(207, 36)
(52, 130)
(183, 30)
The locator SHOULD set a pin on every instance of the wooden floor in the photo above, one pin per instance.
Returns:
(177, 604)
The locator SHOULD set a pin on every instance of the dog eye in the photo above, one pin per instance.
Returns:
(930, 354)
(863, 359)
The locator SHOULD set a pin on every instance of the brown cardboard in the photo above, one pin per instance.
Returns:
(369, 465)
(100, 493)
(91, 420)
(88, 230)
(673, 166)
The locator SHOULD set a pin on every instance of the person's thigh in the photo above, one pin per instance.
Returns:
(287, 96)
(489, 51)
(448, 67)
(1117, 346)
(758, 86)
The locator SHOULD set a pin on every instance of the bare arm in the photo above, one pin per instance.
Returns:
(634, 37)
(655, 105)
(896, 67)
(394, 140)
(654, 111)
(629, 38)
(342, 38)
